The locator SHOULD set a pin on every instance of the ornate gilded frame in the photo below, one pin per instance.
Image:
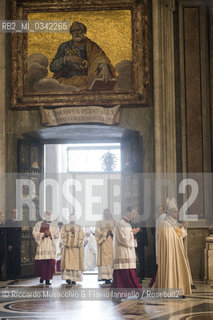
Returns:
(138, 96)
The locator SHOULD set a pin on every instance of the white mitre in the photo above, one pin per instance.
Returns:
(171, 204)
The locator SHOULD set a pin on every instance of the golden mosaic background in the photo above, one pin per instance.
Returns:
(111, 30)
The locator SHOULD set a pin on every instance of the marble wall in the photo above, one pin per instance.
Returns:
(195, 97)
(196, 245)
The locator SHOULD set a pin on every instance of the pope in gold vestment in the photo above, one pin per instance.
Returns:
(173, 266)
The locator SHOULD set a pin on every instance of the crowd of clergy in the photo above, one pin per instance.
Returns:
(114, 247)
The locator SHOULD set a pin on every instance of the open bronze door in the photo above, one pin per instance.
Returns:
(132, 170)
(30, 174)
(132, 191)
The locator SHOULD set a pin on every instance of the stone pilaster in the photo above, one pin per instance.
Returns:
(2, 110)
(164, 91)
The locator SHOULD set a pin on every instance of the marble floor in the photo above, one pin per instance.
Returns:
(27, 299)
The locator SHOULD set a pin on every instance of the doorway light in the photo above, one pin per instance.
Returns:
(90, 157)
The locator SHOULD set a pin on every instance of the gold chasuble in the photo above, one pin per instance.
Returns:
(105, 248)
(173, 267)
(72, 259)
(104, 242)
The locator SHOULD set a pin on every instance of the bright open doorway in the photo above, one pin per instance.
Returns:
(39, 151)
(88, 179)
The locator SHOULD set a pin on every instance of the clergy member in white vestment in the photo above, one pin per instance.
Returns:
(173, 267)
(72, 259)
(90, 250)
(124, 257)
(104, 236)
(45, 233)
